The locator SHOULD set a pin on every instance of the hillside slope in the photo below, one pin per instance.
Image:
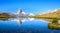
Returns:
(51, 14)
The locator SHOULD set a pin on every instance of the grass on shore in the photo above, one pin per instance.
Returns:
(53, 26)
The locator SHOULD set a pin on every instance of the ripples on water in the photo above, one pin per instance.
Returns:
(29, 25)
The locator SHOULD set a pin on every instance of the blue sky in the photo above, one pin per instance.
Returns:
(29, 6)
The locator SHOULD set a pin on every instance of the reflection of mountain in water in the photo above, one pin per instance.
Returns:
(19, 16)
(30, 26)
(52, 17)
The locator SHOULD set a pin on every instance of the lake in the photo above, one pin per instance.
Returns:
(27, 26)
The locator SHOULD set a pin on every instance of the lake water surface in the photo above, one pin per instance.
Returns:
(27, 26)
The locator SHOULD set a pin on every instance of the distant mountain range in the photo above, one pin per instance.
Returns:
(51, 14)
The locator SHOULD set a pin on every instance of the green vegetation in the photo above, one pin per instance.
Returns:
(55, 21)
(53, 26)
(54, 16)
(5, 16)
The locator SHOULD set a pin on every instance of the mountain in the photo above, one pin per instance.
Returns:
(51, 14)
